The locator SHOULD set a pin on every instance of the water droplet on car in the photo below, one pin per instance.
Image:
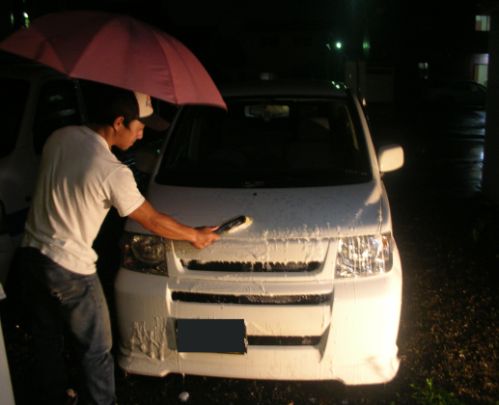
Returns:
(184, 396)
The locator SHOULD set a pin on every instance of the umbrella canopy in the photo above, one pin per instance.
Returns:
(116, 50)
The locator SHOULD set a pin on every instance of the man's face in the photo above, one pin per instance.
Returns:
(128, 135)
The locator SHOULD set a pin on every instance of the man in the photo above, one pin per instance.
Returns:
(79, 180)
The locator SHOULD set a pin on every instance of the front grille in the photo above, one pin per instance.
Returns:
(253, 267)
(283, 340)
(312, 299)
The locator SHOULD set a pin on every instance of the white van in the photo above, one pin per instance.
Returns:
(312, 289)
(37, 101)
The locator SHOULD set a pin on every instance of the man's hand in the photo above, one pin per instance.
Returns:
(205, 237)
(167, 227)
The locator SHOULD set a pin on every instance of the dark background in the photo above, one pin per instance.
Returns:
(239, 40)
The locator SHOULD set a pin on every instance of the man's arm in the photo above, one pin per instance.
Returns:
(165, 226)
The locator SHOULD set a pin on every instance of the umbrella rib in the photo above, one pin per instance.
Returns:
(48, 43)
(82, 54)
(174, 92)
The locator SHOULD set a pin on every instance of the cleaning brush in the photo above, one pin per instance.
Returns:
(235, 224)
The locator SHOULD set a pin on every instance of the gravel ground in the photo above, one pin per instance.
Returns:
(450, 318)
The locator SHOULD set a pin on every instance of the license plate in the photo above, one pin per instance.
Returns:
(211, 335)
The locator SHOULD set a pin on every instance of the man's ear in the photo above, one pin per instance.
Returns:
(118, 122)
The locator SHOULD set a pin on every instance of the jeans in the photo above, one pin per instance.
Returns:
(57, 299)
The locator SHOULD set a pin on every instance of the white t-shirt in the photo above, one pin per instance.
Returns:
(79, 180)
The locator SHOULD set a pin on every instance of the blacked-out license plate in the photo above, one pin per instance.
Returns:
(211, 335)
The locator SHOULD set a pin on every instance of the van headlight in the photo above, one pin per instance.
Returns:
(365, 255)
(144, 253)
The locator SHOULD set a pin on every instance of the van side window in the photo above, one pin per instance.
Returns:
(57, 107)
(16, 93)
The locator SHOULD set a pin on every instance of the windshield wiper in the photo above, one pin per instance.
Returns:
(253, 183)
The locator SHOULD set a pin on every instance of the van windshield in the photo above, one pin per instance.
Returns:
(266, 143)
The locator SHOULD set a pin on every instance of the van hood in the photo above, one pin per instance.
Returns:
(286, 213)
(292, 227)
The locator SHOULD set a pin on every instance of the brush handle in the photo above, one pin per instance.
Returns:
(231, 223)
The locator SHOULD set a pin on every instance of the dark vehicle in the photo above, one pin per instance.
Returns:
(462, 93)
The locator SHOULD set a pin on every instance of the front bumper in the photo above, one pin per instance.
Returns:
(353, 332)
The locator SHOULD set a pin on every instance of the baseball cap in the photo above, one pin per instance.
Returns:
(147, 115)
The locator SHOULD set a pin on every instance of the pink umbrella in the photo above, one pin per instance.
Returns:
(116, 50)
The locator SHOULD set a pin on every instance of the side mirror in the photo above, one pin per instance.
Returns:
(390, 158)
